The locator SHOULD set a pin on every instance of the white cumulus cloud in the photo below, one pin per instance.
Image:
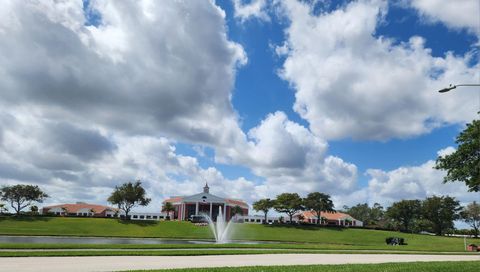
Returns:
(349, 83)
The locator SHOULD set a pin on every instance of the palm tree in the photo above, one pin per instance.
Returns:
(64, 211)
(236, 210)
(168, 207)
(92, 212)
(33, 210)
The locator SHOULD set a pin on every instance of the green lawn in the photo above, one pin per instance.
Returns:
(390, 267)
(310, 237)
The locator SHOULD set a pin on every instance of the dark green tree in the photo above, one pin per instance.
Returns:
(405, 213)
(168, 208)
(318, 202)
(33, 210)
(236, 210)
(440, 212)
(360, 212)
(21, 196)
(129, 195)
(289, 203)
(263, 205)
(471, 216)
(464, 164)
(370, 216)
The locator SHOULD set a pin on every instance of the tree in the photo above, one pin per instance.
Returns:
(464, 164)
(318, 202)
(33, 210)
(289, 203)
(368, 215)
(21, 196)
(471, 215)
(91, 212)
(405, 212)
(360, 212)
(236, 210)
(129, 195)
(440, 212)
(3, 209)
(168, 208)
(263, 205)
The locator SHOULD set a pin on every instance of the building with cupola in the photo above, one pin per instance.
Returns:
(205, 203)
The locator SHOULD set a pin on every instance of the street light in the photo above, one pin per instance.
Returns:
(451, 87)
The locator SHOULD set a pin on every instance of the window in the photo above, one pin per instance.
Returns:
(142, 216)
(155, 217)
(259, 221)
(149, 217)
(135, 216)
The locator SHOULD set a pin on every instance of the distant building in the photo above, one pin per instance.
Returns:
(204, 203)
(330, 219)
(81, 209)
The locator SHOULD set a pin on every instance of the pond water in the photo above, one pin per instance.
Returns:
(104, 240)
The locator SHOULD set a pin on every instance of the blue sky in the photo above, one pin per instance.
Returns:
(254, 97)
(259, 90)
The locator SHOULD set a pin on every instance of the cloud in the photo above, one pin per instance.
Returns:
(462, 14)
(413, 182)
(89, 95)
(146, 69)
(349, 83)
(253, 9)
(291, 158)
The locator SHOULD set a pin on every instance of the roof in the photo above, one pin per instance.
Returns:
(208, 197)
(73, 208)
(327, 215)
(173, 199)
(237, 202)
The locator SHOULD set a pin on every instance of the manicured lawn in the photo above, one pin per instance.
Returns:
(314, 237)
(390, 267)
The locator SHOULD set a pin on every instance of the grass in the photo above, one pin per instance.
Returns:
(306, 237)
(389, 267)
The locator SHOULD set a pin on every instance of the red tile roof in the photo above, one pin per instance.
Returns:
(173, 199)
(73, 208)
(328, 216)
(237, 202)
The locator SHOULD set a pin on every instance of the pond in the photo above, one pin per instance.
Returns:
(106, 240)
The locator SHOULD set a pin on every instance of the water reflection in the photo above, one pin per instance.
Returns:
(101, 240)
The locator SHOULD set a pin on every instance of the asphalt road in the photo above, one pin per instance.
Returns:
(120, 263)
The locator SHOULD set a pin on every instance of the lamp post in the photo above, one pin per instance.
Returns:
(451, 87)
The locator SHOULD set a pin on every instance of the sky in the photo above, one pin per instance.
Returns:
(256, 98)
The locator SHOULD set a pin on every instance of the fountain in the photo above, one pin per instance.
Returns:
(220, 230)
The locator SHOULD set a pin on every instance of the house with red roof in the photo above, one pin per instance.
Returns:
(81, 209)
(205, 203)
(328, 218)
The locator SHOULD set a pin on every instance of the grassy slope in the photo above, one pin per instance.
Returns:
(392, 267)
(328, 237)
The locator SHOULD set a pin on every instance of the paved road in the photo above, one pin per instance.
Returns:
(120, 263)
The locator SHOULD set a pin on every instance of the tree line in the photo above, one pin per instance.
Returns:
(292, 203)
(435, 214)
(20, 196)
